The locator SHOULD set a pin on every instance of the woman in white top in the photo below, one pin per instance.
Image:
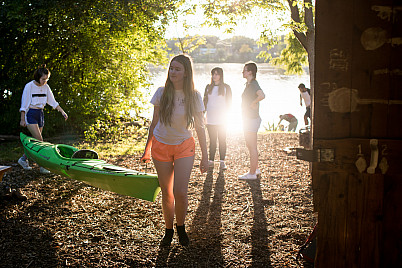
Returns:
(305, 95)
(177, 108)
(36, 95)
(217, 101)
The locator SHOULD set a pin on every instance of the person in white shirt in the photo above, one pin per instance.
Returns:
(305, 95)
(36, 95)
(178, 107)
(217, 102)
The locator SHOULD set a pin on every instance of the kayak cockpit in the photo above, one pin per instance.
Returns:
(68, 151)
(65, 151)
(85, 154)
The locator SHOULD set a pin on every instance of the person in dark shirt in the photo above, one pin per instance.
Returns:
(251, 97)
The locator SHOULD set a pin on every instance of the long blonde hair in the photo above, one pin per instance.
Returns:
(190, 97)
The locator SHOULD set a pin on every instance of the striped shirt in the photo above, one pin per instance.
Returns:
(36, 97)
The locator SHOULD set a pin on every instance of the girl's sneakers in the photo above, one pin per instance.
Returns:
(222, 165)
(248, 176)
(24, 164)
(44, 170)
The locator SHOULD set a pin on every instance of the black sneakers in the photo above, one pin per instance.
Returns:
(183, 237)
(167, 239)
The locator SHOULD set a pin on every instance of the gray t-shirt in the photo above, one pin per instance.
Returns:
(177, 132)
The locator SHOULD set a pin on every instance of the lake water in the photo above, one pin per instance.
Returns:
(281, 92)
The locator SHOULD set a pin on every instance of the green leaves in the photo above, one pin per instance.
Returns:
(294, 16)
(293, 57)
(97, 51)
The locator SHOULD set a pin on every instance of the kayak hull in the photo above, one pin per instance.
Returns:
(95, 172)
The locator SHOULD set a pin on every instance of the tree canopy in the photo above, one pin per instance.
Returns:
(97, 51)
(296, 16)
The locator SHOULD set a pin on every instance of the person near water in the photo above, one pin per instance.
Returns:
(291, 119)
(217, 102)
(178, 107)
(251, 97)
(305, 95)
(35, 96)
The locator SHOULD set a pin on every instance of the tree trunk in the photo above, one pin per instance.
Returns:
(306, 39)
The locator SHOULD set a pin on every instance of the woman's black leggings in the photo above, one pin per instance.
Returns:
(217, 132)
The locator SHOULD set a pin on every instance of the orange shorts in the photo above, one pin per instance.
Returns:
(168, 153)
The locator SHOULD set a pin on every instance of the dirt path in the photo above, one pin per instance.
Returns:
(231, 223)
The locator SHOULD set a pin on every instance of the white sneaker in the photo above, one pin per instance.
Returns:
(222, 165)
(44, 170)
(24, 164)
(257, 172)
(211, 163)
(248, 176)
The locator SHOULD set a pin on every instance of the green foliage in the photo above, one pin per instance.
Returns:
(189, 43)
(295, 16)
(272, 127)
(128, 143)
(97, 51)
(112, 131)
(293, 57)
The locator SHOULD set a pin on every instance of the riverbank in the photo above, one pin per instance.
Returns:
(231, 223)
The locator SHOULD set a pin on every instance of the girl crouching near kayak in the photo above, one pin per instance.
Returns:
(177, 108)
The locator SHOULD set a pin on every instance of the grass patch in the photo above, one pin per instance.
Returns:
(117, 148)
(12, 151)
(271, 127)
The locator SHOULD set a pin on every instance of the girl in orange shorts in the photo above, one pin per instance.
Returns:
(177, 108)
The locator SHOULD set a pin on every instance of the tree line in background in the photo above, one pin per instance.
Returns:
(237, 49)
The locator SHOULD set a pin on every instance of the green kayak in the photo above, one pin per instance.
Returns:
(83, 165)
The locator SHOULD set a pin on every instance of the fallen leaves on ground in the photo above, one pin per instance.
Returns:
(231, 223)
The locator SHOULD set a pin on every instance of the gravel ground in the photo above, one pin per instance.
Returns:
(231, 223)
